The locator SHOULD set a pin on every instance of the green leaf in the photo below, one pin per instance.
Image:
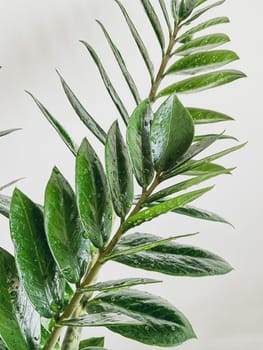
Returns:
(119, 171)
(10, 183)
(84, 116)
(138, 40)
(202, 61)
(162, 324)
(172, 132)
(64, 230)
(203, 10)
(172, 258)
(93, 348)
(138, 140)
(2, 345)
(19, 323)
(43, 284)
(184, 185)
(93, 196)
(91, 342)
(203, 26)
(108, 84)
(118, 284)
(203, 82)
(199, 138)
(162, 208)
(200, 2)
(122, 65)
(166, 15)
(101, 319)
(206, 116)
(203, 169)
(5, 205)
(57, 126)
(203, 43)
(9, 131)
(153, 18)
(183, 8)
(201, 214)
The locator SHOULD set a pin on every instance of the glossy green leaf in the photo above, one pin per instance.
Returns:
(203, 169)
(153, 18)
(172, 258)
(138, 140)
(84, 116)
(166, 15)
(203, 26)
(203, 82)
(101, 319)
(162, 208)
(64, 230)
(122, 65)
(5, 205)
(184, 8)
(57, 126)
(138, 40)
(119, 171)
(19, 322)
(37, 268)
(184, 185)
(203, 43)
(201, 214)
(93, 195)
(200, 2)
(108, 84)
(172, 132)
(202, 61)
(162, 324)
(203, 10)
(99, 341)
(9, 131)
(206, 116)
(118, 284)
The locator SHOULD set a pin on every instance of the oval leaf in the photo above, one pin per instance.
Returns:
(172, 132)
(172, 258)
(138, 140)
(37, 267)
(93, 196)
(202, 61)
(119, 171)
(206, 116)
(203, 82)
(64, 230)
(19, 322)
(162, 324)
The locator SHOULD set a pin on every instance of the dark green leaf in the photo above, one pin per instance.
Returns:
(166, 15)
(202, 61)
(203, 10)
(84, 116)
(64, 230)
(108, 84)
(101, 319)
(57, 126)
(162, 208)
(153, 18)
(183, 8)
(205, 116)
(201, 214)
(93, 196)
(203, 43)
(138, 40)
(9, 131)
(184, 185)
(203, 82)
(172, 132)
(138, 140)
(5, 205)
(19, 322)
(37, 268)
(118, 284)
(203, 26)
(172, 258)
(119, 171)
(122, 65)
(162, 324)
(10, 183)
(91, 342)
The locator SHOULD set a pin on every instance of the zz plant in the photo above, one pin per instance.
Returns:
(60, 247)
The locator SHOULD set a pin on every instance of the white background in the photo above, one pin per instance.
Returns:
(38, 36)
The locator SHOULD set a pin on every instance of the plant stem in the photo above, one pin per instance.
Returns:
(96, 263)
